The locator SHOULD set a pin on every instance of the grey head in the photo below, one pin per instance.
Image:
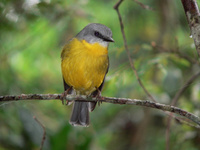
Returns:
(96, 32)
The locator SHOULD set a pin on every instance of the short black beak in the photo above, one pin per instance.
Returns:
(108, 39)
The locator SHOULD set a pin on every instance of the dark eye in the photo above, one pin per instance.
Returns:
(96, 33)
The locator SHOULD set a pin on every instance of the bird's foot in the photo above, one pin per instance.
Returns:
(63, 97)
(98, 97)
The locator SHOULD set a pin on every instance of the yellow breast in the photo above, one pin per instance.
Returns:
(84, 65)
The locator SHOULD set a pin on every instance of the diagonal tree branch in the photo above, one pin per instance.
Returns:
(193, 18)
(112, 100)
(173, 103)
(184, 87)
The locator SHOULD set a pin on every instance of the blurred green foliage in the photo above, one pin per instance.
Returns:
(32, 33)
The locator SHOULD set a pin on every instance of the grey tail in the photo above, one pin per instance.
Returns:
(80, 114)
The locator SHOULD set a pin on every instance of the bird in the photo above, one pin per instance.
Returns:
(84, 65)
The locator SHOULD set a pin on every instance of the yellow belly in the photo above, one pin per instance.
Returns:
(84, 65)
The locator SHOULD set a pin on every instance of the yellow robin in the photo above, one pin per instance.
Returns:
(84, 66)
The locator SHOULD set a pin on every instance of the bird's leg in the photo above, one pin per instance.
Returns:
(98, 96)
(63, 96)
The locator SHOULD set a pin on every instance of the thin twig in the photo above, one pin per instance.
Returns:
(112, 100)
(116, 7)
(44, 132)
(184, 87)
(144, 6)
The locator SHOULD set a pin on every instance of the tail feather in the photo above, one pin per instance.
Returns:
(80, 114)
